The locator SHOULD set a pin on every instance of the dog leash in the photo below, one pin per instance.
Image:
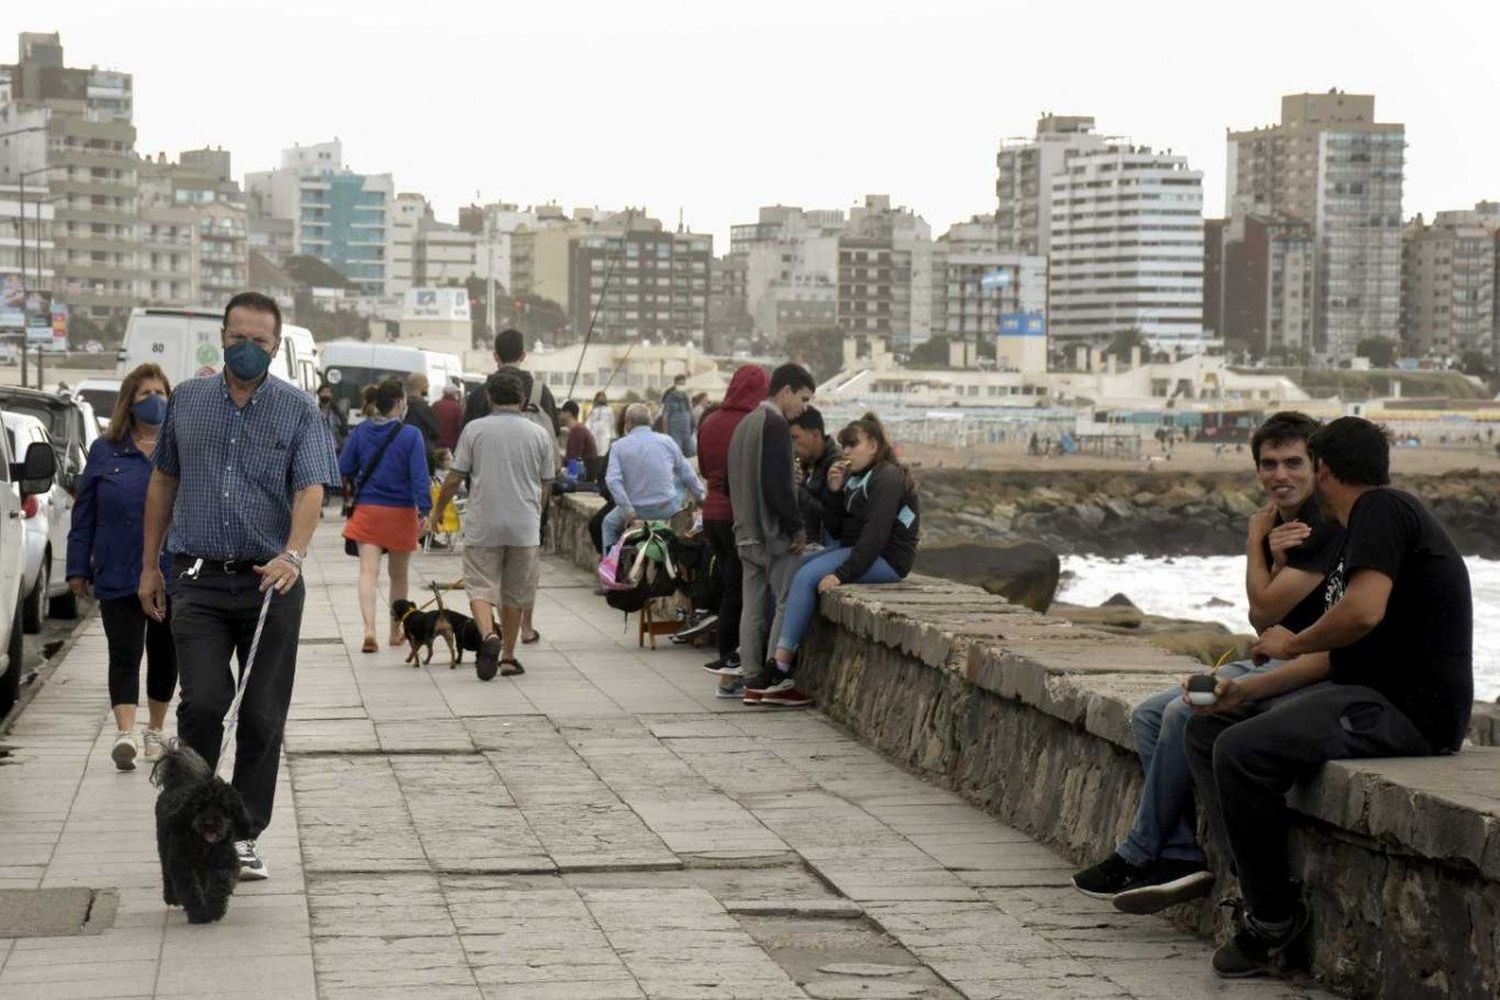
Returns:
(232, 717)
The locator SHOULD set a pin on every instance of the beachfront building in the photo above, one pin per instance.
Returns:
(1258, 285)
(1023, 187)
(1126, 250)
(1332, 166)
(621, 371)
(640, 283)
(790, 258)
(885, 274)
(1448, 284)
(341, 217)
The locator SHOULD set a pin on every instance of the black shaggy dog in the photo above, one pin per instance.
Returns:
(422, 629)
(198, 819)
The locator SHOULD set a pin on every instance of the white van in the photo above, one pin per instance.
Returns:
(188, 343)
(350, 365)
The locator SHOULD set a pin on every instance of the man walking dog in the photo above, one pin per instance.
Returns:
(240, 467)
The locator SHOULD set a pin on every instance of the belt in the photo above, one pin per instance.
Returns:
(221, 567)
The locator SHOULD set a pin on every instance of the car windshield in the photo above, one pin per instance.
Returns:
(349, 381)
(102, 400)
(54, 417)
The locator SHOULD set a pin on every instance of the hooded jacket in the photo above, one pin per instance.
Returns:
(746, 389)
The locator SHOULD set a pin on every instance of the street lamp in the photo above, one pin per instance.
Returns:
(21, 198)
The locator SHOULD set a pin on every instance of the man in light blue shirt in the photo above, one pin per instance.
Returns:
(647, 476)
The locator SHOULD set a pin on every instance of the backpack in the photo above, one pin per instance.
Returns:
(646, 562)
(533, 411)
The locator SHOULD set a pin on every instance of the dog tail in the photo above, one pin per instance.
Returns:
(180, 765)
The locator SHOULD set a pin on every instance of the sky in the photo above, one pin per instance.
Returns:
(710, 109)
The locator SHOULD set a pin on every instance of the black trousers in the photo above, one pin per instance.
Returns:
(1244, 764)
(213, 618)
(131, 634)
(720, 536)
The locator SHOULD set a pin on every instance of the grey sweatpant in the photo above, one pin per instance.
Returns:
(767, 579)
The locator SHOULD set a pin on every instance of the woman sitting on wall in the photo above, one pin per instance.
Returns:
(875, 528)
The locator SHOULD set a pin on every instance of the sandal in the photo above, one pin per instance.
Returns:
(536, 636)
(370, 646)
(511, 667)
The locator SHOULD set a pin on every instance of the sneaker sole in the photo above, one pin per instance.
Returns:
(784, 703)
(725, 671)
(729, 695)
(247, 875)
(123, 754)
(1092, 894)
(1155, 898)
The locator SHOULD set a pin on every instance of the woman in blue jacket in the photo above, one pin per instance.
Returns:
(104, 551)
(393, 493)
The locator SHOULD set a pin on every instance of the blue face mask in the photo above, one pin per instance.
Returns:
(247, 360)
(150, 411)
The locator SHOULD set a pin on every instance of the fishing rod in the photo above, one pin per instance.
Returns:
(603, 294)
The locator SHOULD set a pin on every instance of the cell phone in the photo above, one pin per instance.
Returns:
(1202, 689)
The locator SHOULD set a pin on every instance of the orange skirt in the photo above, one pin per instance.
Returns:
(392, 528)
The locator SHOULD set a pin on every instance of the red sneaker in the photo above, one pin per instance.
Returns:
(784, 693)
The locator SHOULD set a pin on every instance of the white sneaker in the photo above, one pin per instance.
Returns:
(124, 752)
(252, 865)
(155, 743)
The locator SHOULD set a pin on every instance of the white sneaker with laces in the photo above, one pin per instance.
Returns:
(155, 743)
(252, 865)
(124, 752)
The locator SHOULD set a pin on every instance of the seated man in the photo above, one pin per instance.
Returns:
(647, 476)
(1396, 647)
(816, 453)
(1289, 551)
(580, 441)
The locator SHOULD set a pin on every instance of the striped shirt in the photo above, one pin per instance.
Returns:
(237, 468)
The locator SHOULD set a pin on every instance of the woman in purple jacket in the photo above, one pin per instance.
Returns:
(104, 552)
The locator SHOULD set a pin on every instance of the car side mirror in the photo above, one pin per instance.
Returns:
(35, 472)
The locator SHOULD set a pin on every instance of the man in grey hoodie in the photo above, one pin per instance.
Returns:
(768, 530)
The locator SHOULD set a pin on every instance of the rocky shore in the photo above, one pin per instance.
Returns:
(1156, 513)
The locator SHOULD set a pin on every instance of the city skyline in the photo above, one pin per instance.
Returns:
(717, 112)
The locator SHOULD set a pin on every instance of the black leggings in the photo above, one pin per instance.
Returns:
(130, 633)
(727, 559)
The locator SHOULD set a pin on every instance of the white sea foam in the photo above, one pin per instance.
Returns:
(1212, 588)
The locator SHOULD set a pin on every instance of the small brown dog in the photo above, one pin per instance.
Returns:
(423, 629)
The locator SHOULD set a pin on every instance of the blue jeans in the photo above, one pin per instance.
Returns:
(802, 596)
(614, 521)
(1164, 821)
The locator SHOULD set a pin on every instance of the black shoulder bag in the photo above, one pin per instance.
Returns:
(351, 547)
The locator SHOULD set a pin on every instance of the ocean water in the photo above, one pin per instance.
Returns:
(1212, 588)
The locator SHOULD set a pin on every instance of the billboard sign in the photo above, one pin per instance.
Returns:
(999, 278)
(437, 303)
(1023, 324)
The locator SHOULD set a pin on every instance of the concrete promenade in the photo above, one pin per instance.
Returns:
(600, 827)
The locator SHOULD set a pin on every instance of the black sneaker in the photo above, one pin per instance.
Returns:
(727, 666)
(1108, 878)
(1165, 883)
(1251, 952)
(487, 660)
(695, 626)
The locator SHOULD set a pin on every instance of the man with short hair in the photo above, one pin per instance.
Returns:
(816, 453)
(1289, 551)
(510, 462)
(580, 441)
(768, 529)
(1387, 671)
(647, 476)
(510, 352)
(419, 415)
(240, 466)
(449, 414)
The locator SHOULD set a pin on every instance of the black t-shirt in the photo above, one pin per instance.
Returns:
(1421, 655)
(1318, 553)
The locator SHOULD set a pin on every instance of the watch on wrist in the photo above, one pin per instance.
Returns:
(292, 556)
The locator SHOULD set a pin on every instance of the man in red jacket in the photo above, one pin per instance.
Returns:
(746, 391)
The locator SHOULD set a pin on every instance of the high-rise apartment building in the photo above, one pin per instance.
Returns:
(1023, 189)
(1331, 165)
(194, 248)
(1258, 285)
(885, 274)
(642, 282)
(729, 319)
(1448, 300)
(339, 216)
(791, 269)
(1126, 249)
(82, 157)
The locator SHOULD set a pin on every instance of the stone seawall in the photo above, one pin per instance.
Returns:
(1028, 717)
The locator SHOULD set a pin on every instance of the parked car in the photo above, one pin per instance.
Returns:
(20, 478)
(70, 423)
(47, 515)
(101, 394)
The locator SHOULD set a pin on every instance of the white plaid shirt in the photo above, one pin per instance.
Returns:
(237, 469)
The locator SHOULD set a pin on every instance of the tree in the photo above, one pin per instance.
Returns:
(1124, 341)
(820, 350)
(932, 353)
(1477, 364)
(1381, 351)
